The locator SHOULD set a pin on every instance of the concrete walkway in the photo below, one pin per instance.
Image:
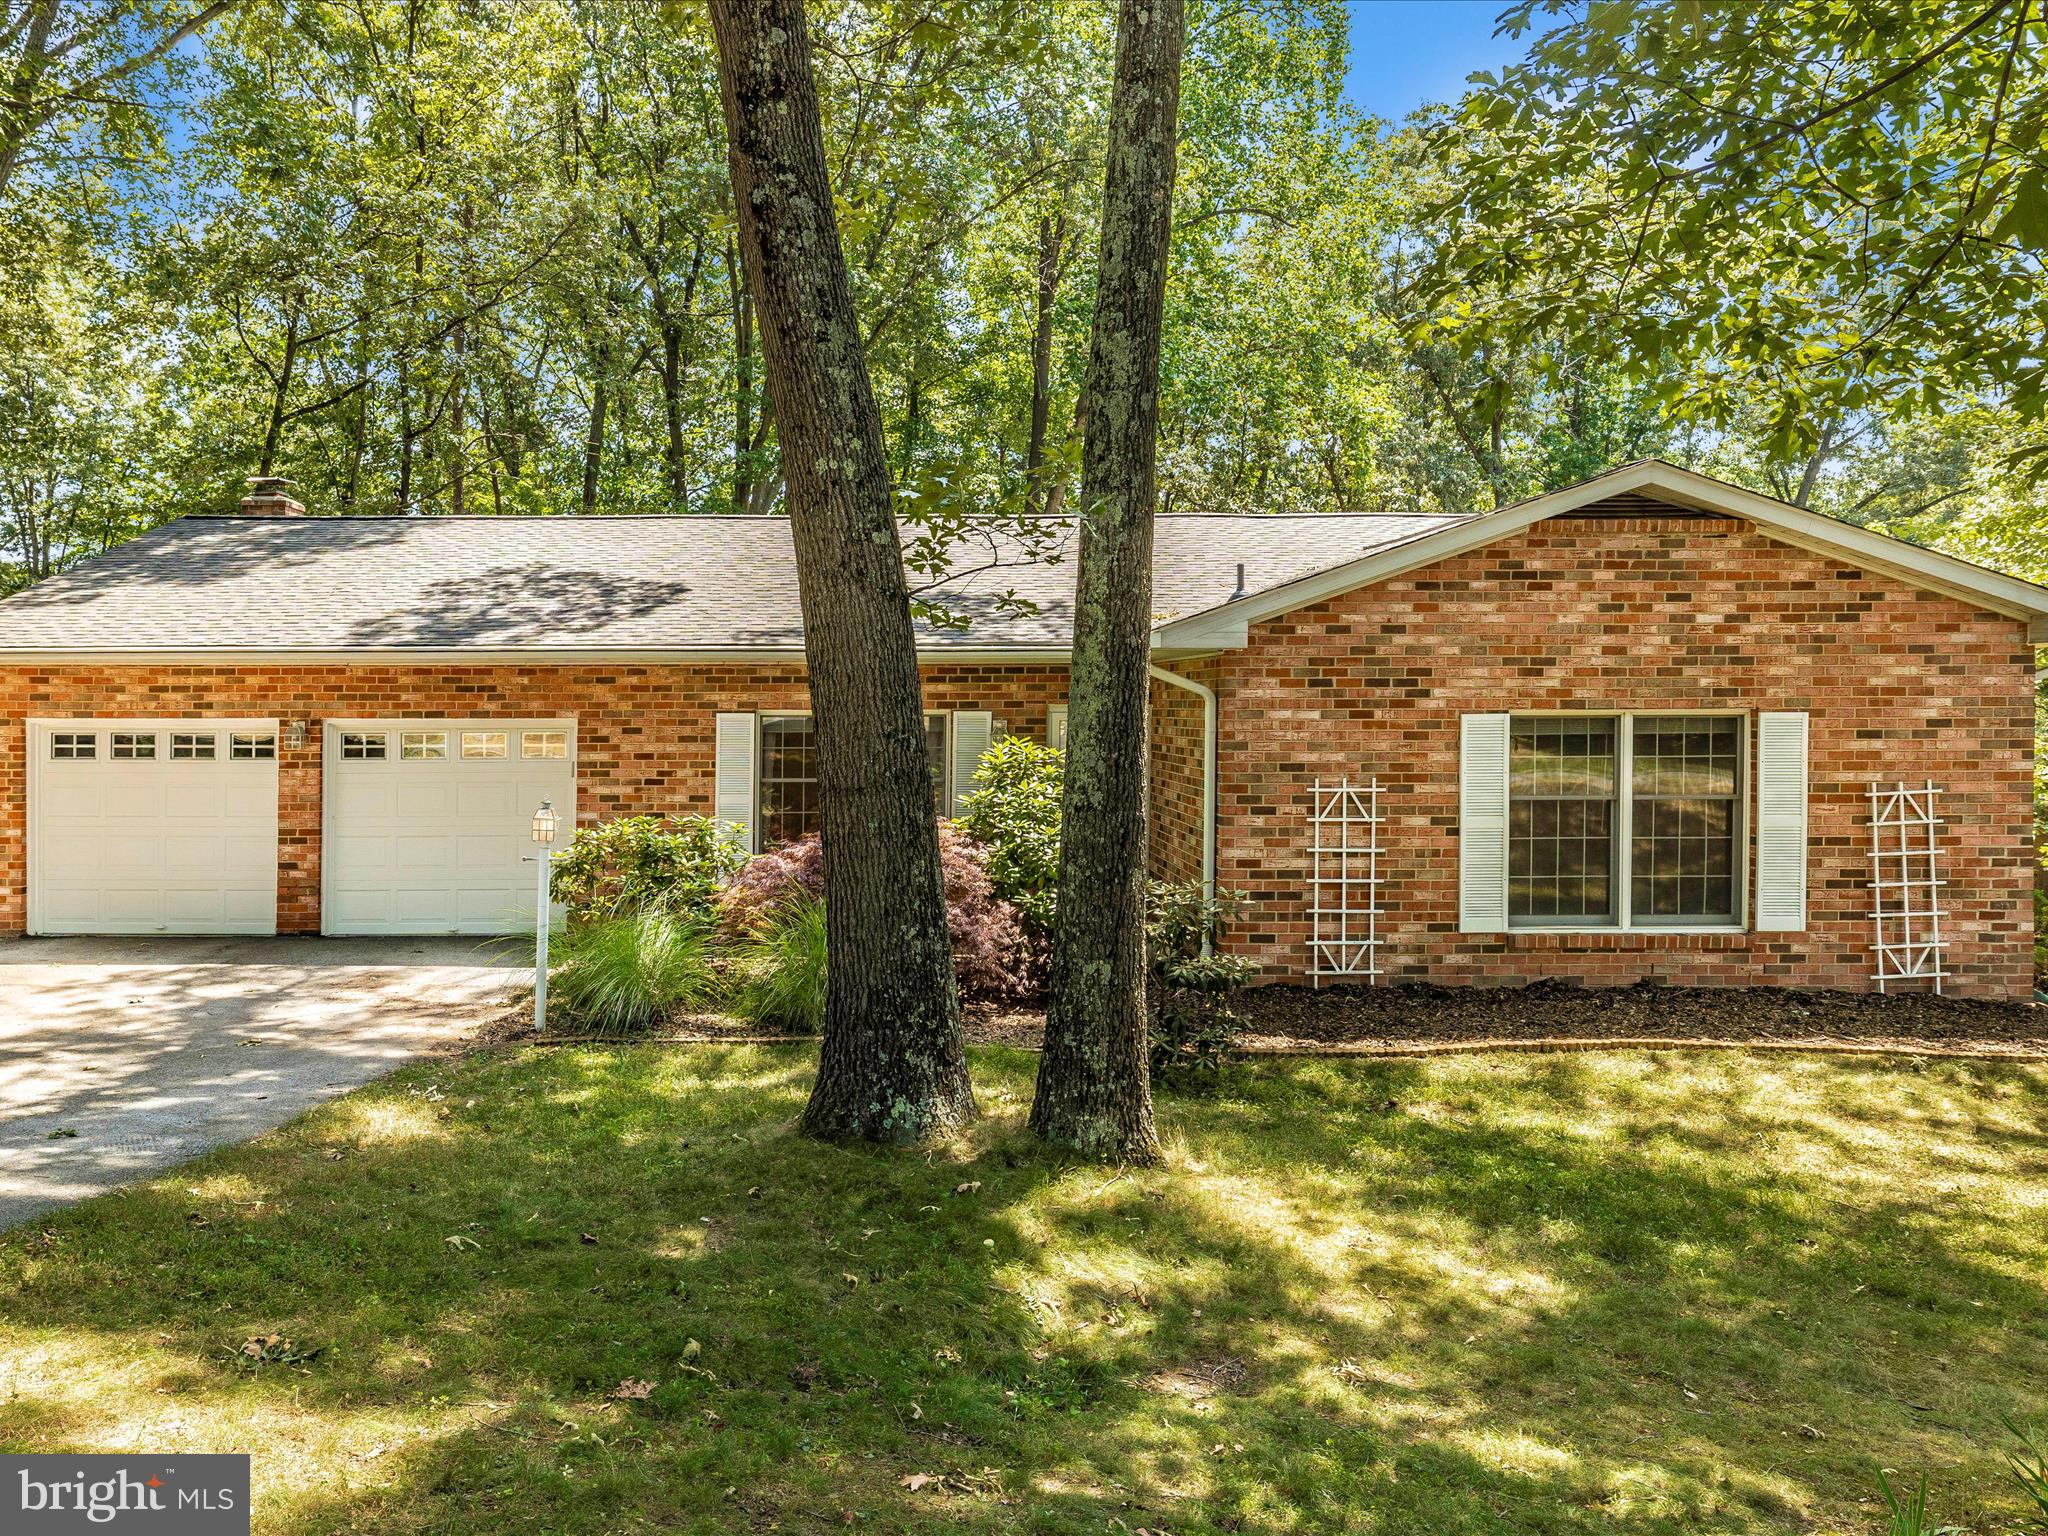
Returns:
(154, 1050)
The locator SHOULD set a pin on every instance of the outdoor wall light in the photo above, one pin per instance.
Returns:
(295, 735)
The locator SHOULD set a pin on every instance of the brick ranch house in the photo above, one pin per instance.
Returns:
(1624, 730)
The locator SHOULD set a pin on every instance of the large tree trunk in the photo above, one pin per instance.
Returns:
(892, 1066)
(1094, 1082)
(1052, 239)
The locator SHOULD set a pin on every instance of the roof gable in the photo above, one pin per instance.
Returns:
(1659, 487)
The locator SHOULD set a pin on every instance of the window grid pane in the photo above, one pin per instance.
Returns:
(935, 750)
(357, 746)
(192, 746)
(252, 747)
(133, 746)
(1686, 773)
(789, 779)
(423, 746)
(74, 744)
(1561, 802)
(544, 744)
(483, 744)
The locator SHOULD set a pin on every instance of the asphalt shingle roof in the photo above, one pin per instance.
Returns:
(232, 584)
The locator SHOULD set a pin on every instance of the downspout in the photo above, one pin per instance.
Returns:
(1208, 697)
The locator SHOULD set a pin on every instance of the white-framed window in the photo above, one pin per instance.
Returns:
(132, 746)
(477, 745)
(193, 746)
(1056, 726)
(73, 745)
(787, 774)
(252, 746)
(1625, 820)
(543, 743)
(422, 746)
(364, 746)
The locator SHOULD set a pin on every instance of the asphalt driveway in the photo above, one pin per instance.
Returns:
(150, 1051)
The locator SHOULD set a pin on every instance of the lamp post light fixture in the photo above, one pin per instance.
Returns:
(544, 823)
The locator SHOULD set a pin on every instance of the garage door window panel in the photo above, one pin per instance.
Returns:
(193, 747)
(251, 747)
(133, 746)
(480, 746)
(362, 746)
(423, 746)
(68, 746)
(544, 744)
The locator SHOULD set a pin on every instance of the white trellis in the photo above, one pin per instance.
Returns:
(1344, 880)
(1906, 884)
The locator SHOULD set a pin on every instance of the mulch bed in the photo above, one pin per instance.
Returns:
(1420, 1019)
(1420, 1016)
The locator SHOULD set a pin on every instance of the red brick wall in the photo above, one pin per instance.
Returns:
(1176, 778)
(1636, 613)
(644, 733)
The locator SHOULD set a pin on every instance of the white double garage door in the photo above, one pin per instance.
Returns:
(171, 825)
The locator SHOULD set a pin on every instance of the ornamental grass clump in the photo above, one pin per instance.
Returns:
(632, 971)
(781, 962)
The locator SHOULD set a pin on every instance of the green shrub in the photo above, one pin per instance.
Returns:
(1014, 812)
(633, 971)
(631, 863)
(1190, 994)
(783, 963)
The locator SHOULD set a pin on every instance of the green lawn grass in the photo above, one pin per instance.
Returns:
(1612, 1292)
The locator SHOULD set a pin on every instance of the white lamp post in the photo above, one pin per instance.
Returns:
(544, 822)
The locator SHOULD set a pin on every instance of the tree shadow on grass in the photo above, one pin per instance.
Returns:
(1366, 1296)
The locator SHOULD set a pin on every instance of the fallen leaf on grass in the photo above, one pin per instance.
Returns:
(692, 1350)
(276, 1349)
(587, 1237)
(967, 1188)
(458, 1242)
(804, 1375)
(916, 1481)
(632, 1389)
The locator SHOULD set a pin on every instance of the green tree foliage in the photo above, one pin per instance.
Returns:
(1779, 215)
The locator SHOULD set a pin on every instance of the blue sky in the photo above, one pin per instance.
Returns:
(1406, 52)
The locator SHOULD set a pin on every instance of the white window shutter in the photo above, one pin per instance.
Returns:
(1483, 824)
(732, 798)
(973, 731)
(1781, 822)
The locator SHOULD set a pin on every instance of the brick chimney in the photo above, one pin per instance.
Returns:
(270, 496)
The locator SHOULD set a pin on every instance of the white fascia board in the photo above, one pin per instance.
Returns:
(497, 656)
(1779, 520)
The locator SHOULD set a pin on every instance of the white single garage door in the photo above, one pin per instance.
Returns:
(152, 826)
(426, 822)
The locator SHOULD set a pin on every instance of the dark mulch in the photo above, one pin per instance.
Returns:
(1290, 1017)
(1422, 1017)
(1418, 1015)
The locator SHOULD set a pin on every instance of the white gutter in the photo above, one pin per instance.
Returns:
(1208, 697)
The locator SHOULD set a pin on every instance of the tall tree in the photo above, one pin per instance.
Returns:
(64, 63)
(1844, 203)
(1094, 1089)
(892, 1066)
